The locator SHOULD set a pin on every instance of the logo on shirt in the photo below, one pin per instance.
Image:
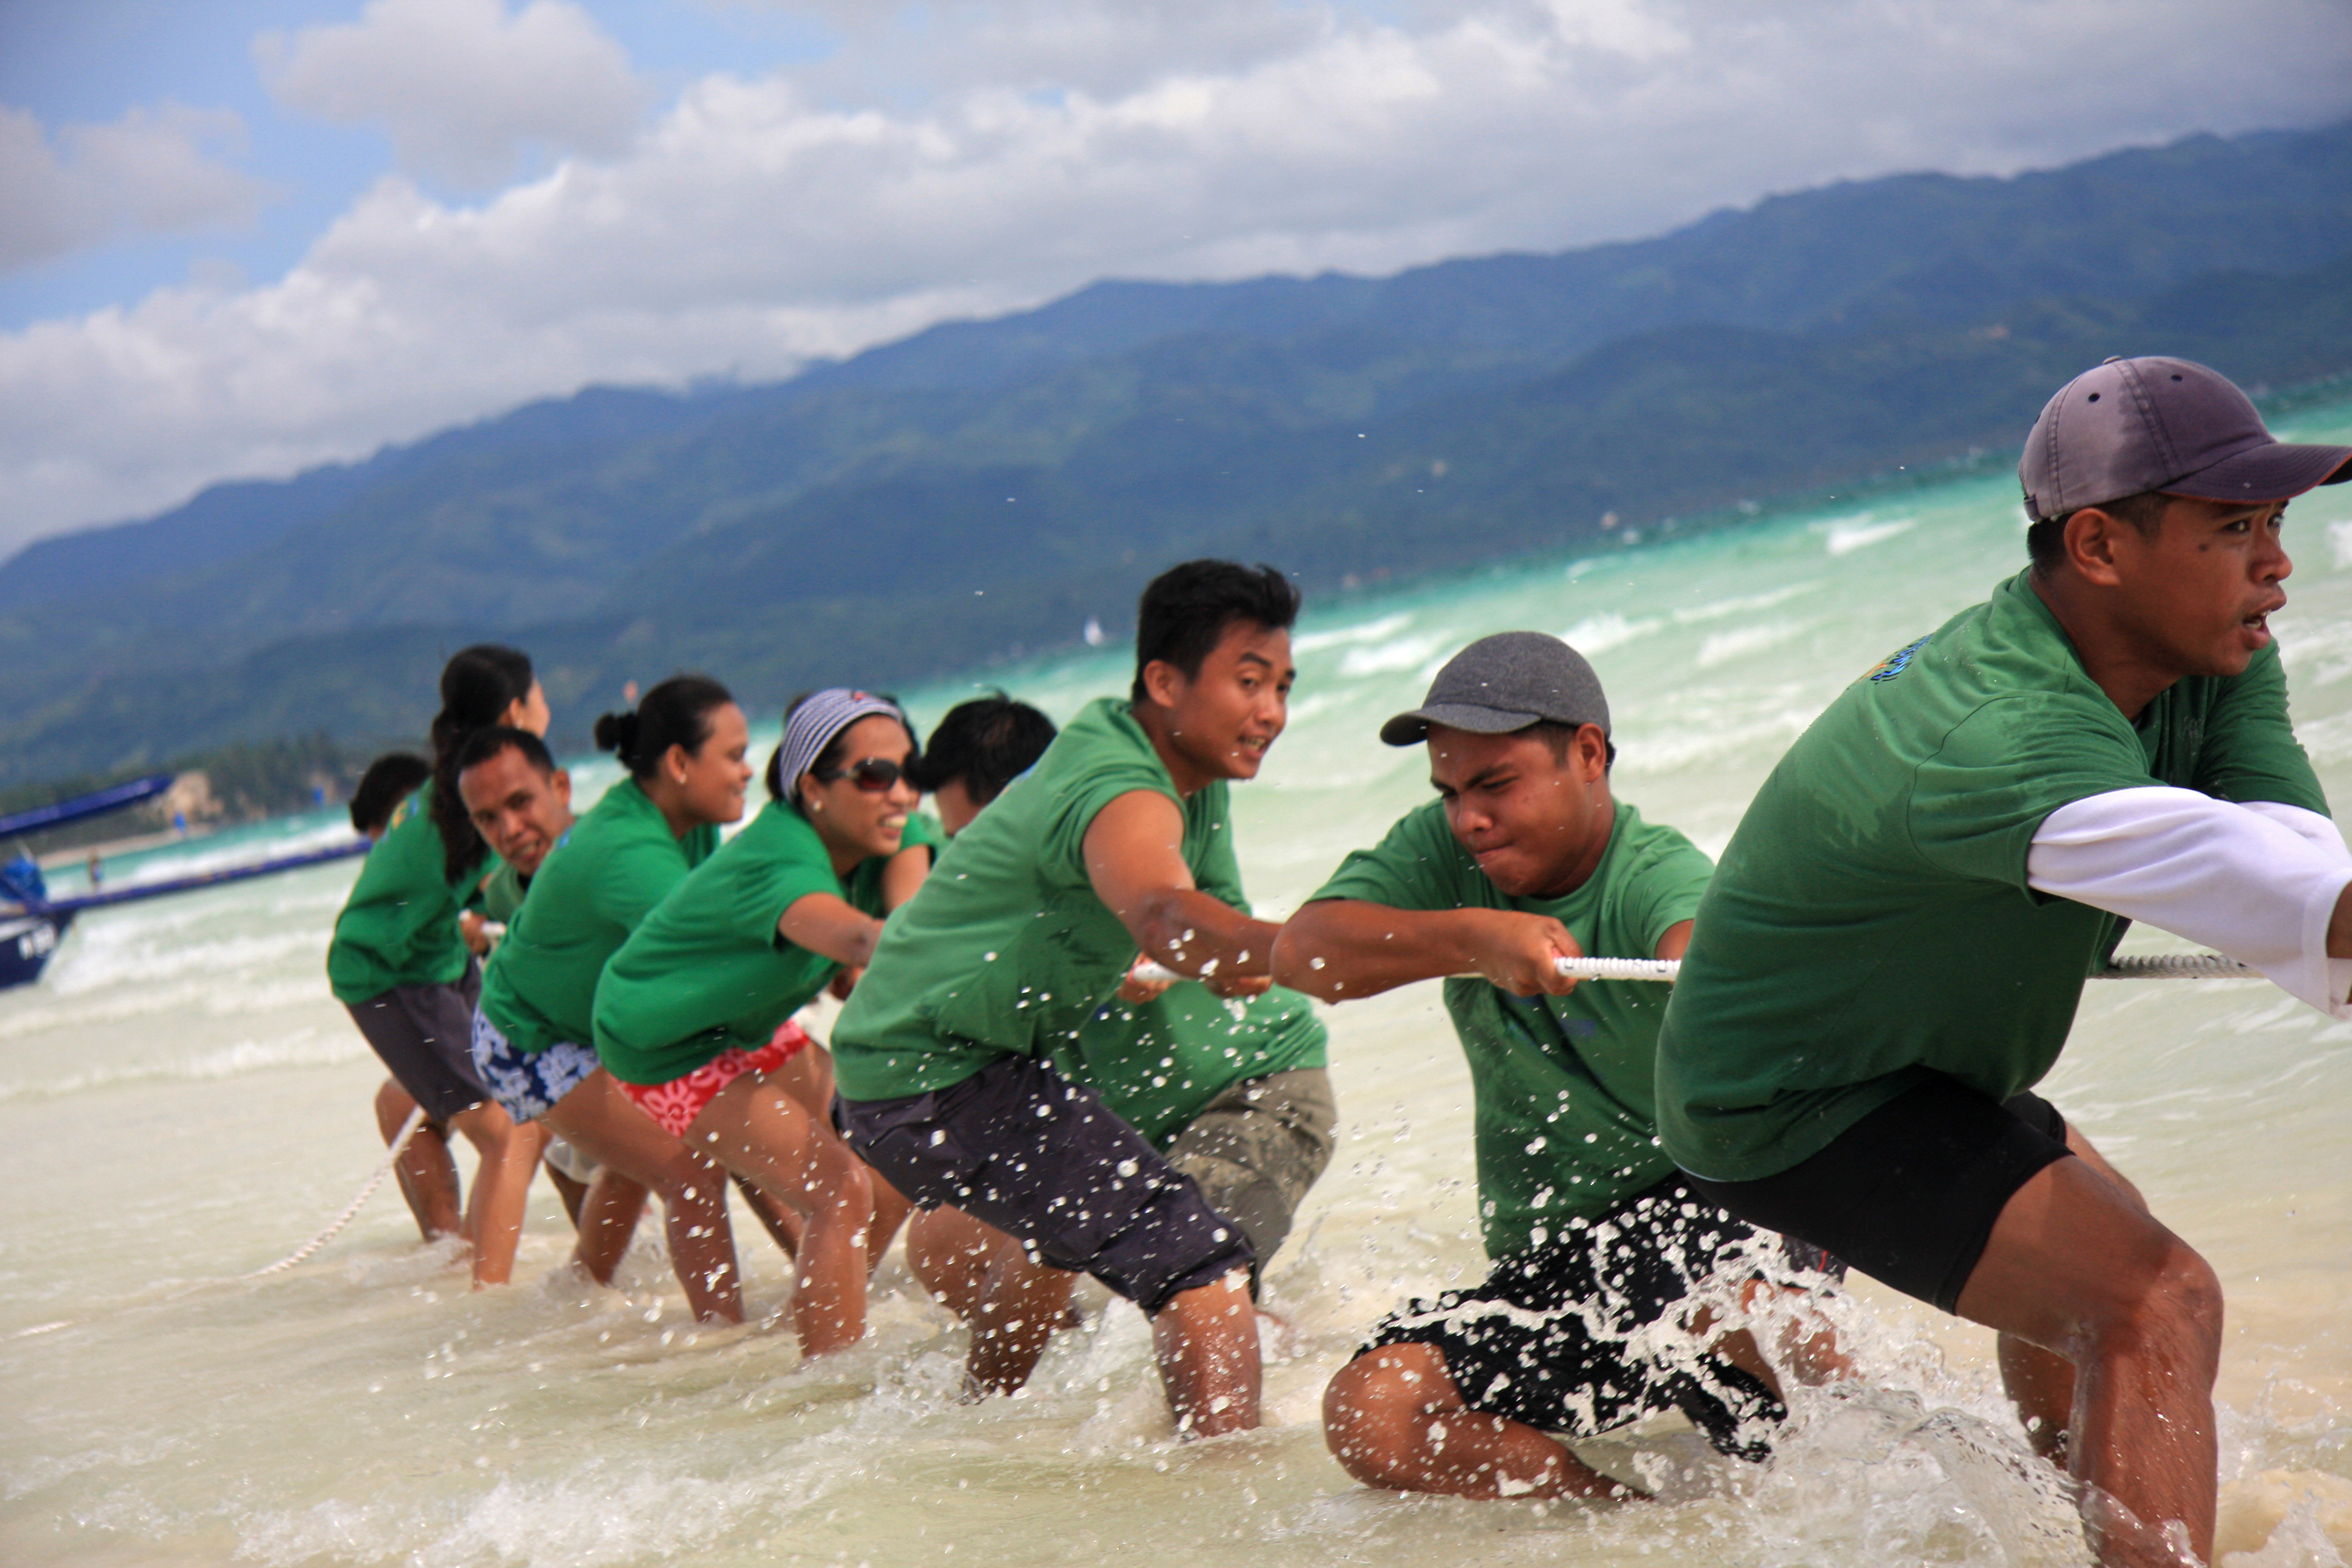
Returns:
(1895, 663)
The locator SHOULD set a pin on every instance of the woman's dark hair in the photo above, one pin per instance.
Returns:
(478, 687)
(780, 787)
(389, 780)
(675, 713)
(1187, 608)
(485, 744)
(986, 742)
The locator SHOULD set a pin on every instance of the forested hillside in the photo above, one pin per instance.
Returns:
(984, 486)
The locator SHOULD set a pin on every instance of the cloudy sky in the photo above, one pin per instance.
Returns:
(246, 235)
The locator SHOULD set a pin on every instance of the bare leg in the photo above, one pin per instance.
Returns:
(607, 1223)
(808, 1077)
(606, 1123)
(426, 1174)
(2077, 1269)
(755, 1129)
(783, 1224)
(502, 1187)
(1393, 1418)
(2041, 1383)
(573, 1193)
(1206, 1341)
(988, 1280)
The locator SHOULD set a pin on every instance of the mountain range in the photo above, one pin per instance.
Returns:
(987, 487)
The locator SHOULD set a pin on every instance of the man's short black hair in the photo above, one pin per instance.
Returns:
(389, 780)
(986, 743)
(1560, 739)
(2045, 538)
(1186, 611)
(489, 741)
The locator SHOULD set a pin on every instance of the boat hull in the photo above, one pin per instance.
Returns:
(26, 940)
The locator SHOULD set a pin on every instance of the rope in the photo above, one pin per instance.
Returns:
(2164, 966)
(350, 1210)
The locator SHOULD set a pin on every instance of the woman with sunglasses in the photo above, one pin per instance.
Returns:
(689, 1011)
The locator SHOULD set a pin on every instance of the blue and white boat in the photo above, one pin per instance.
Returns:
(32, 923)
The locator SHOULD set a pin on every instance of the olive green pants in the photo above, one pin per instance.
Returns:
(1257, 1148)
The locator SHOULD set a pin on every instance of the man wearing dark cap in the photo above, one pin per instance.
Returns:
(1586, 1320)
(1894, 948)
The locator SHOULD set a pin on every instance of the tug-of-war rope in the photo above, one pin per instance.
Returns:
(2164, 966)
(2160, 966)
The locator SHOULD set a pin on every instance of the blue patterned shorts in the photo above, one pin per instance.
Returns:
(528, 1086)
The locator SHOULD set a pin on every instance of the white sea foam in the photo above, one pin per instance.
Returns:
(1401, 653)
(1599, 633)
(1846, 538)
(1340, 636)
(1721, 648)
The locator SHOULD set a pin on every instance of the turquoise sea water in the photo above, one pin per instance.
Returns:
(182, 1102)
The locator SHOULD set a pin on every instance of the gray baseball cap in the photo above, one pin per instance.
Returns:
(1503, 683)
(2169, 425)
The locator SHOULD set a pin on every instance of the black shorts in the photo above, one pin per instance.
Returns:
(425, 1035)
(1554, 1336)
(1909, 1194)
(1024, 1149)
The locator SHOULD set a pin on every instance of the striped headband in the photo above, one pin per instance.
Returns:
(812, 725)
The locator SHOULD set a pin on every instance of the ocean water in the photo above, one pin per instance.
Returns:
(181, 1102)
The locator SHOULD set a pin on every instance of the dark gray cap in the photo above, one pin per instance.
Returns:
(2169, 425)
(1506, 682)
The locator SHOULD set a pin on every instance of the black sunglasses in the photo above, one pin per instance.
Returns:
(875, 775)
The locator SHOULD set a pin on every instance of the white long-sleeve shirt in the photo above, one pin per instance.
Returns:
(2258, 881)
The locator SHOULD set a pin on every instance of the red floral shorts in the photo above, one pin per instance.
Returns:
(675, 1105)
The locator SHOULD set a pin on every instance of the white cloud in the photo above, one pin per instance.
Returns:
(464, 89)
(152, 171)
(756, 222)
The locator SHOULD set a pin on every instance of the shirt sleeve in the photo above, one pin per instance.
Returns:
(1977, 804)
(1063, 849)
(777, 887)
(2250, 752)
(1412, 867)
(2257, 884)
(1666, 892)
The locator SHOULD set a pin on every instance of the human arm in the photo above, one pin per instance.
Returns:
(1676, 942)
(1339, 948)
(903, 873)
(1134, 854)
(2269, 885)
(830, 928)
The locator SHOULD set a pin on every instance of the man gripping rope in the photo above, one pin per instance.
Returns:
(1587, 1319)
(1892, 950)
(943, 1056)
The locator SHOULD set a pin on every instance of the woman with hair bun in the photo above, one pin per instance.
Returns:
(400, 963)
(689, 1010)
(532, 1041)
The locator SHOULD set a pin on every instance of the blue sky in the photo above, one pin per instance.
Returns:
(242, 236)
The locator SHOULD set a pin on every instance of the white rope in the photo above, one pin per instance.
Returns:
(2164, 966)
(408, 1130)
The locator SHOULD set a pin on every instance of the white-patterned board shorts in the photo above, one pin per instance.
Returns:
(529, 1085)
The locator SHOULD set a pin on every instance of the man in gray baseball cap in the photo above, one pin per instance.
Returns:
(1524, 857)
(1892, 951)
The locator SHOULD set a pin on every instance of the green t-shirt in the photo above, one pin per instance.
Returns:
(502, 893)
(1157, 1064)
(1564, 1109)
(1872, 921)
(1006, 951)
(706, 971)
(399, 927)
(594, 886)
